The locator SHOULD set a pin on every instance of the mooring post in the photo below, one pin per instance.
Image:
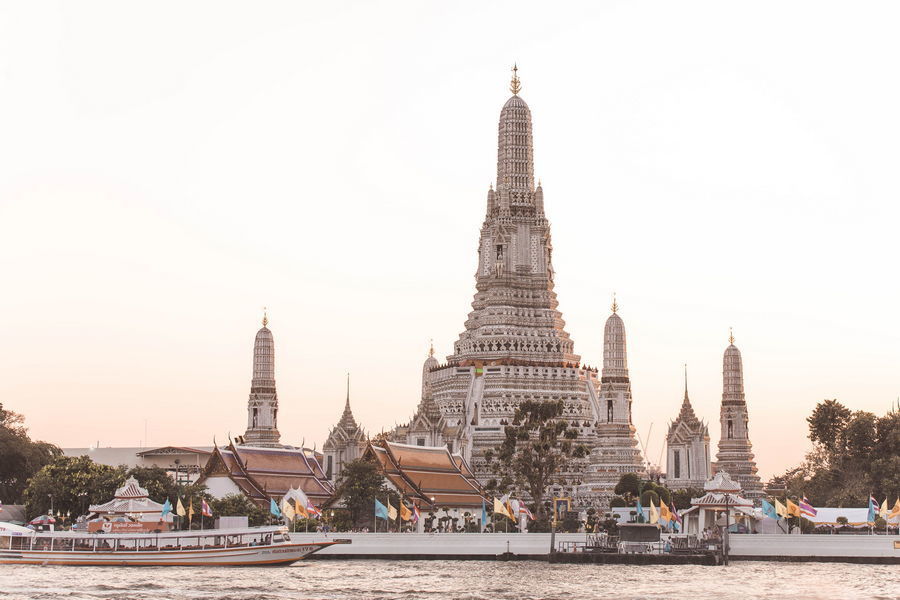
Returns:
(552, 538)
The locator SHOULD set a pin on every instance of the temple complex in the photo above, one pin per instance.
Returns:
(256, 464)
(735, 450)
(514, 346)
(687, 456)
(616, 452)
(346, 442)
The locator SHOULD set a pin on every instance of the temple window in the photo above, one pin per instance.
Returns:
(730, 429)
(420, 442)
(609, 411)
(677, 459)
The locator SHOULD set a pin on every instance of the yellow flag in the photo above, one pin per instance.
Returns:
(191, 510)
(287, 511)
(896, 510)
(664, 513)
(301, 510)
(780, 509)
(500, 509)
(392, 512)
(654, 514)
(405, 513)
(793, 510)
(179, 509)
(884, 509)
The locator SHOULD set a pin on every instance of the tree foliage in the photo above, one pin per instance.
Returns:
(71, 484)
(539, 444)
(359, 485)
(20, 456)
(854, 454)
(239, 505)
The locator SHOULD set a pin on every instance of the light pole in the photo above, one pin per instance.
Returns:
(727, 524)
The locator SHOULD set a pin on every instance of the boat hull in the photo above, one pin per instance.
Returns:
(284, 554)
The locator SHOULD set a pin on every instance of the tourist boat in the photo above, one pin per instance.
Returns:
(257, 546)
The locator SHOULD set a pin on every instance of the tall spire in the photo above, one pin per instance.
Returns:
(515, 150)
(615, 352)
(262, 406)
(515, 86)
(731, 336)
(265, 321)
(685, 383)
(615, 306)
(347, 421)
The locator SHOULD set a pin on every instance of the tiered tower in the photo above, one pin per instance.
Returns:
(346, 441)
(262, 406)
(616, 452)
(735, 454)
(687, 456)
(514, 346)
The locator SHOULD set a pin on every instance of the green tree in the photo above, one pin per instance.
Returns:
(628, 485)
(360, 483)
(827, 424)
(73, 483)
(539, 443)
(239, 505)
(20, 456)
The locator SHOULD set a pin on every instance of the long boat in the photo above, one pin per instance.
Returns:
(251, 546)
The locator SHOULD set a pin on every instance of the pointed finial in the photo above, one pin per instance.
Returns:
(431, 350)
(539, 182)
(265, 317)
(685, 381)
(615, 306)
(348, 389)
(730, 336)
(515, 85)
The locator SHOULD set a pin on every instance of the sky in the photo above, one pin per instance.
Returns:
(168, 169)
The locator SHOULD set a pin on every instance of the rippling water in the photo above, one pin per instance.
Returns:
(452, 580)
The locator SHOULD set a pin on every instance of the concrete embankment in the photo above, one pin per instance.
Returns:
(536, 546)
(437, 546)
(816, 548)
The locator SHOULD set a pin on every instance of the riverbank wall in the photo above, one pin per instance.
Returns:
(536, 546)
(437, 546)
(816, 548)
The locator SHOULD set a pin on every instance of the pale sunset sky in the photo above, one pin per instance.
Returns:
(169, 168)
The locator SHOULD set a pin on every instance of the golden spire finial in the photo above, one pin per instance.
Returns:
(730, 336)
(515, 86)
(431, 350)
(615, 306)
(265, 317)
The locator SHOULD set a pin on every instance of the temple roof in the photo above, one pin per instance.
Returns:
(263, 473)
(722, 482)
(130, 498)
(429, 473)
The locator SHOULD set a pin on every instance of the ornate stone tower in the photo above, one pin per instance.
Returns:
(514, 346)
(687, 454)
(616, 452)
(346, 442)
(262, 407)
(735, 454)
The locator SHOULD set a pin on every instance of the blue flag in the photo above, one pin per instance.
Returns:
(166, 509)
(273, 508)
(640, 511)
(769, 510)
(381, 510)
(483, 515)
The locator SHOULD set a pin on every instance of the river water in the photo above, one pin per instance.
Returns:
(456, 580)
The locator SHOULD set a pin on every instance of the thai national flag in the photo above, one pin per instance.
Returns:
(806, 508)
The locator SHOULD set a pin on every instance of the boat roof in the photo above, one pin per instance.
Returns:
(10, 529)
